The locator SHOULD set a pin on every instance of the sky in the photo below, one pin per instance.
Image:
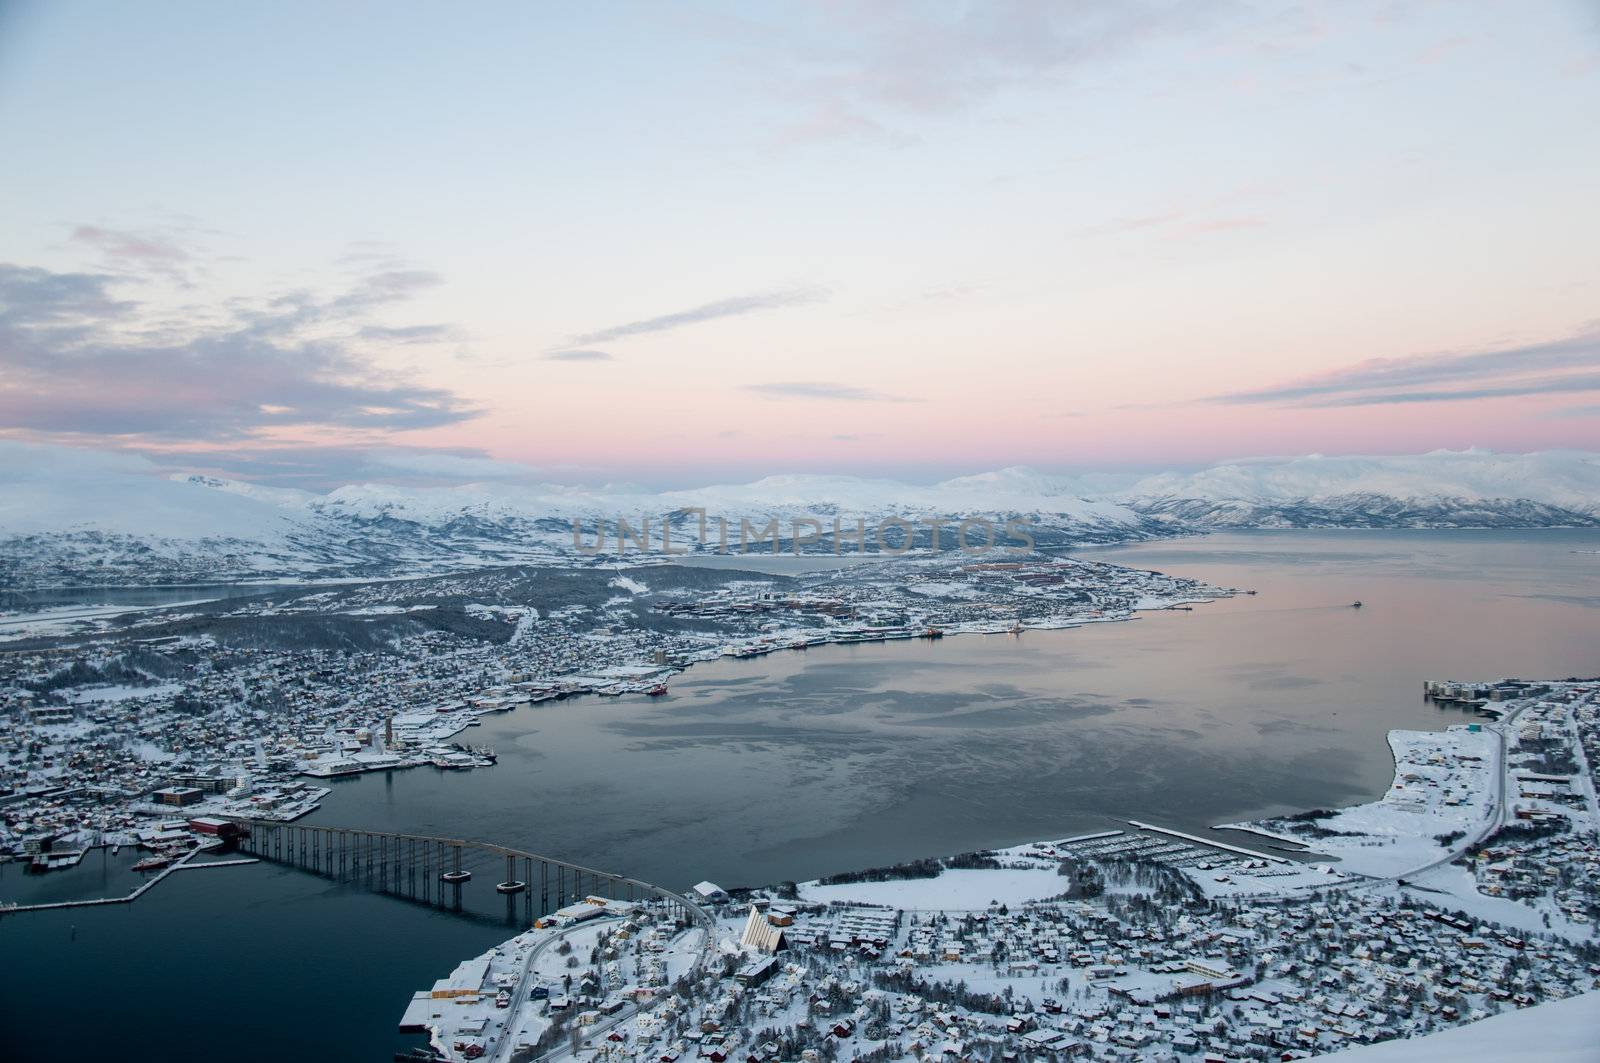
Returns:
(309, 244)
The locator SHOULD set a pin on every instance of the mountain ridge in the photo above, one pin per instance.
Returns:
(70, 517)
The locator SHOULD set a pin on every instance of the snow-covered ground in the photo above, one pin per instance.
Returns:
(1561, 1031)
(1458, 882)
(1444, 786)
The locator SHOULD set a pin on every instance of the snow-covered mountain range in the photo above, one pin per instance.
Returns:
(1449, 489)
(72, 517)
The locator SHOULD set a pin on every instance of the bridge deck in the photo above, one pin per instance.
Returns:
(447, 871)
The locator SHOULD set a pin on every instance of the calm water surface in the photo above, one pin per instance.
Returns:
(801, 763)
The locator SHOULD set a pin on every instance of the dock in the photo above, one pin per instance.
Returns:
(181, 864)
(1207, 841)
(1096, 836)
(218, 863)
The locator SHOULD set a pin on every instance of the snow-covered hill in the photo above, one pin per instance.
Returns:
(1560, 1031)
(72, 517)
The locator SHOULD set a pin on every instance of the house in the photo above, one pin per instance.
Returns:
(753, 974)
(710, 893)
(178, 795)
(1049, 1041)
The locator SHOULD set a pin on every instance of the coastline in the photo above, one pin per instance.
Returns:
(322, 793)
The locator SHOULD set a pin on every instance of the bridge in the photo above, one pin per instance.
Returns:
(453, 873)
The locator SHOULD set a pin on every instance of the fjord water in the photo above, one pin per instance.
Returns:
(801, 763)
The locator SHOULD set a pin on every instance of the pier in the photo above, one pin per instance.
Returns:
(1210, 842)
(181, 864)
(449, 872)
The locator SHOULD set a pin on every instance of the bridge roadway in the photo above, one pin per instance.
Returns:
(429, 870)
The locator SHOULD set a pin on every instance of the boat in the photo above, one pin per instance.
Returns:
(933, 633)
(152, 863)
(510, 886)
(1356, 604)
(658, 690)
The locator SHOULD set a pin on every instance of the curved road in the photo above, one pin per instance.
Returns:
(1494, 823)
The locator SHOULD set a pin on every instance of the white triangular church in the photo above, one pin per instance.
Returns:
(760, 935)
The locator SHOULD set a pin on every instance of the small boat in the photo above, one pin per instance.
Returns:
(1356, 604)
(455, 878)
(510, 886)
(658, 690)
(933, 633)
(152, 863)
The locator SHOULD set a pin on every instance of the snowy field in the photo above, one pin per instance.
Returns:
(1443, 786)
(1562, 1031)
(954, 890)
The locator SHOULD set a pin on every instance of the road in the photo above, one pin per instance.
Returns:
(1494, 822)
